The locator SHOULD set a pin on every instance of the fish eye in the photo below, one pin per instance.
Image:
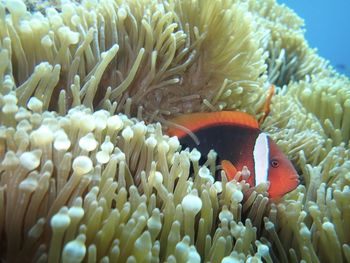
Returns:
(274, 163)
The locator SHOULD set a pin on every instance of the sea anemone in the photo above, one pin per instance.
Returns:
(87, 171)
(96, 53)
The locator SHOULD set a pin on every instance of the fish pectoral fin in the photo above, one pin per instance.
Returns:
(229, 168)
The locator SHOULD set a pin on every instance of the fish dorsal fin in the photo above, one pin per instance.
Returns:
(196, 121)
(261, 158)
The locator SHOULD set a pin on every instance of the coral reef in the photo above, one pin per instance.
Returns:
(87, 172)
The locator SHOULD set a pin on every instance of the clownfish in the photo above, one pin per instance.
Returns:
(238, 142)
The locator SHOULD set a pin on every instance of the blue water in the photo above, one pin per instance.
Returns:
(327, 28)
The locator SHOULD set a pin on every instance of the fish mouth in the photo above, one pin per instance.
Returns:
(295, 182)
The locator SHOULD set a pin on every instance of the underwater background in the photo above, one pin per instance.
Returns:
(327, 29)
